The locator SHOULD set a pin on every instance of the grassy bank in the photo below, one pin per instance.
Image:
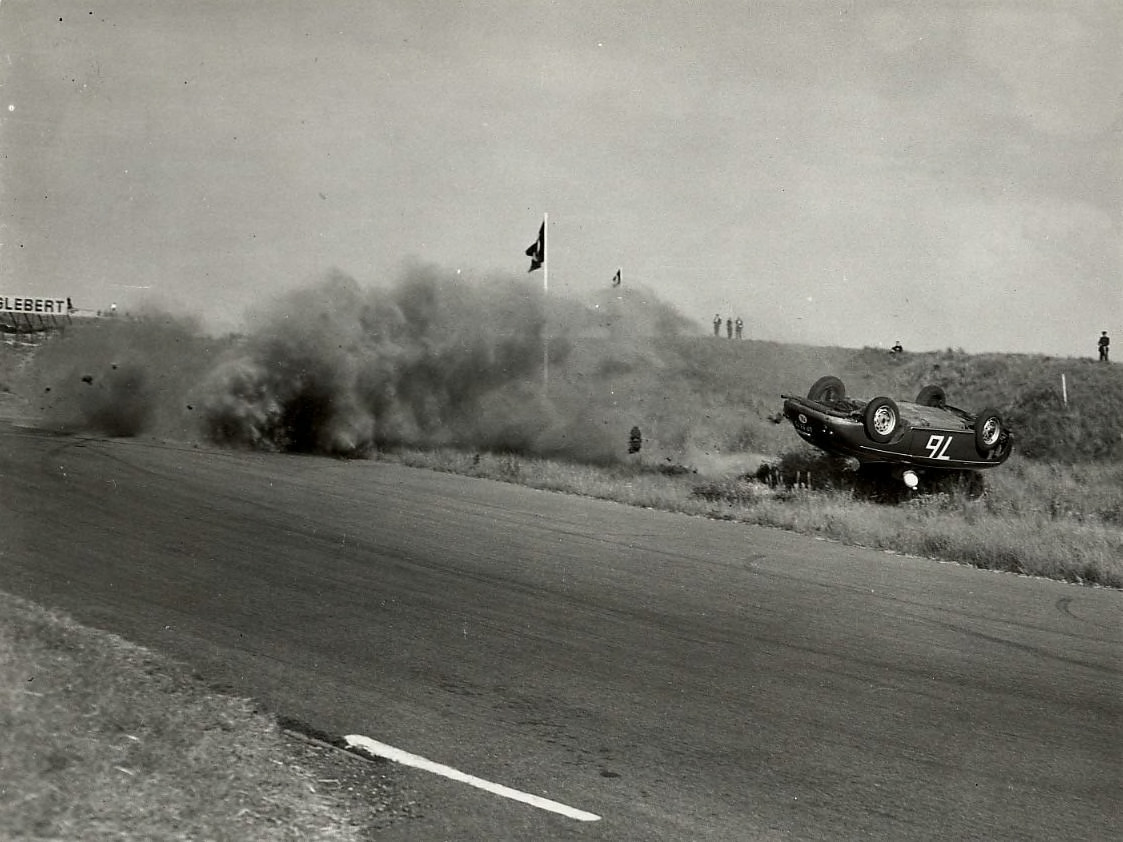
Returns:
(1062, 522)
(101, 739)
(1055, 509)
(695, 401)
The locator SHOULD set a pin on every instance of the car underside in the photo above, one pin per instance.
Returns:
(913, 436)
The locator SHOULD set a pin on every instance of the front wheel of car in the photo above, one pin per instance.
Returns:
(988, 431)
(827, 390)
(881, 419)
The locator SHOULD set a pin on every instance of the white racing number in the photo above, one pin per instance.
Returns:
(937, 447)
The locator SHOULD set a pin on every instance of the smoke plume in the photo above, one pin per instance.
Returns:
(118, 376)
(339, 369)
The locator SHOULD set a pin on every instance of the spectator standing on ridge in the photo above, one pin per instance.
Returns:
(717, 324)
(729, 328)
(1104, 342)
(740, 326)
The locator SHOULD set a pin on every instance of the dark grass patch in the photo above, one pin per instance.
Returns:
(101, 739)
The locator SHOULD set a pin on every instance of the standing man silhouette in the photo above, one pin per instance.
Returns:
(1104, 342)
(717, 324)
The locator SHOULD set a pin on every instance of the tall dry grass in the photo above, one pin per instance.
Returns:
(710, 405)
(1061, 523)
(104, 740)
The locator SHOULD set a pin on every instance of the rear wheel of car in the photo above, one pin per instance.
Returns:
(881, 419)
(988, 431)
(826, 390)
(932, 396)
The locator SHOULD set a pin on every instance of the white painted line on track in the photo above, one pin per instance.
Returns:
(406, 759)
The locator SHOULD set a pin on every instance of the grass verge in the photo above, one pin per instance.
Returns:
(1060, 522)
(101, 739)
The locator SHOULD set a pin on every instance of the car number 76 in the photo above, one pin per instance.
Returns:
(937, 447)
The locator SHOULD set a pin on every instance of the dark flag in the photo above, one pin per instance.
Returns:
(616, 279)
(537, 250)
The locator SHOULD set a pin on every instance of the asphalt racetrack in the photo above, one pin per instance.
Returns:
(678, 677)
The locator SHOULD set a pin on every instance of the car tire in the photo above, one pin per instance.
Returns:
(882, 419)
(932, 396)
(827, 390)
(988, 431)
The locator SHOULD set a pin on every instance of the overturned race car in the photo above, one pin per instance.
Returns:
(910, 436)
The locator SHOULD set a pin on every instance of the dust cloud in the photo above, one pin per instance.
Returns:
(117, 376)
(339, 369)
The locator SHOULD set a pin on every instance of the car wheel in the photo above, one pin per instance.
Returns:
(988, 431)
(932, 396)
(881, 419)
(827, 390)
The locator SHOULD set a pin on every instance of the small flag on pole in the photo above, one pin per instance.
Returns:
(616, 279)
(537, 250)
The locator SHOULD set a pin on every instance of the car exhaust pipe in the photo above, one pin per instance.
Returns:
(911, 479)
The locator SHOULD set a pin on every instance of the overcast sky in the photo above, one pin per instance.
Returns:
(946, 174)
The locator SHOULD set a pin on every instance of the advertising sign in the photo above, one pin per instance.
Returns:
(26, 305)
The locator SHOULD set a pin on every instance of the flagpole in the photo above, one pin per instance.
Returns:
(545, 306)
